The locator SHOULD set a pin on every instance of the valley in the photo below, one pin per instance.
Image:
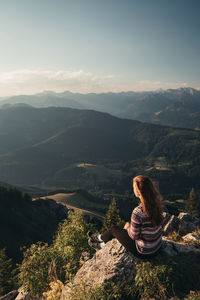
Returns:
(52, 148)
(171, 107)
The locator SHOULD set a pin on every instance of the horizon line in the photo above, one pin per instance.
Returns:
(101, 93)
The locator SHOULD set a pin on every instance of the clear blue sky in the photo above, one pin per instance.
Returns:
(98, 45)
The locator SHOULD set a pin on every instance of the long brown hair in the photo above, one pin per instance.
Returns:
(150, 198)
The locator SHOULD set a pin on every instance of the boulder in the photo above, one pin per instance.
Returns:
(182, 224)
(172, 225)
(185, 227)
(189, 218)
(191, 237)
(172, 248)
(115, 264)
(112, 263)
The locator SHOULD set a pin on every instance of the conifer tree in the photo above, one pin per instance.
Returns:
(192, 204)
(112, 217)
(6, 273)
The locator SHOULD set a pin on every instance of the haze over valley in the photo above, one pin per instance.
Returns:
(57, 147)
(172, 107)
(92, 94)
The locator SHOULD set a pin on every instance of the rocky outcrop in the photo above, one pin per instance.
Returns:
(112, 263)
(189, 218)
(172, 248)
(182, 224)
(115, 264)
(191, 237)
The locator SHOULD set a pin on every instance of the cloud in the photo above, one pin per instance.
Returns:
(36, 81)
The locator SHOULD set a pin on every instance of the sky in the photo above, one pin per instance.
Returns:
(98, 45)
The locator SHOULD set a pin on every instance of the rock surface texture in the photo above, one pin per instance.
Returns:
(174, 248)
(112, 263)
(115, 264)
(182, 224)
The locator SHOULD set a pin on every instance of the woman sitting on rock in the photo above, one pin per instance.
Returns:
(143, 235)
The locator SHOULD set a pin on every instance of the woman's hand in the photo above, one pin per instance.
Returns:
(126, 225)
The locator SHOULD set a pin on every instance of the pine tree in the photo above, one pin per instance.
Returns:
(112, 217)
(192, 204)
(6, 273)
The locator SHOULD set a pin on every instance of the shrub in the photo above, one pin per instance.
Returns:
(175, 236)
(152, 280)
(7, 274)
(112, 216)
(55, 291)
(108, 291)
(70, 242)
(43, 264)
(191, 204)
(34, 270)
(185, 274)
(163, 276)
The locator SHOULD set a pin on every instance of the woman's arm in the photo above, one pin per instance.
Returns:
(126, 226)
(134, 229)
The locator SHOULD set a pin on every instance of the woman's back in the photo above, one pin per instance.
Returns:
(148, 237)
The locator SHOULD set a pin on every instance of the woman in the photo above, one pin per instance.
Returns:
(143, 235)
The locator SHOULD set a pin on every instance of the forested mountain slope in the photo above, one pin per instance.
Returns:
(172, 107)
(71, 148)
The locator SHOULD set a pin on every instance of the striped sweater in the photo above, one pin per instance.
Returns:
(148, 238)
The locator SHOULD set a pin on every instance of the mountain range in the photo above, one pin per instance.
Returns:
(75, 148)
(172, 107)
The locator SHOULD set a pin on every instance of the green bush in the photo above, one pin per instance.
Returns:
(34, 270)
(163, 277)
(159, 278)
(7, 274)
(108, 291)
(43, 264)
(152, 281)
(175, 236)
(112, 216)
(192, 203)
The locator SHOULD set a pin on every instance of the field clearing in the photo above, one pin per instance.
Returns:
(73, 201)
(86, 169)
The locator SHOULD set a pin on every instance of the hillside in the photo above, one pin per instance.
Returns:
(172, 107)
(63, 147)
(81, 200)
(21, 220)
(112, 272)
